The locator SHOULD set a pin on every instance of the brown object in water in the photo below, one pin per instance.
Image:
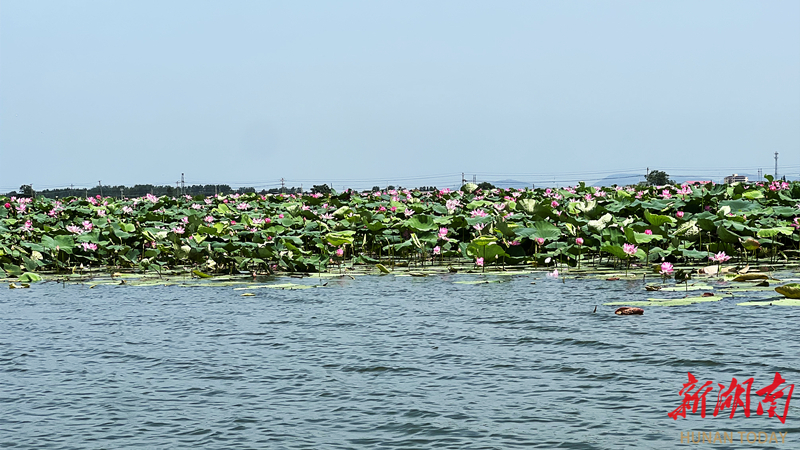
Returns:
(629, 311)
(653, 288)
(612, 279)
(708, 294)
(751, 277)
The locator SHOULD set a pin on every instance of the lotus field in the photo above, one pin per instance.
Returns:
(469, 229)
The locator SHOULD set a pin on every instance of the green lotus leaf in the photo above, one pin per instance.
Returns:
(469, 188)
(656, 219)
(601, 223)
(540, 229)
(30, 277)
(727, 236)
(528, 205)
(772, 232)
(421, 222)
(484, 240)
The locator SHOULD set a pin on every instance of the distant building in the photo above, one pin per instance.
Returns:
(736, 178)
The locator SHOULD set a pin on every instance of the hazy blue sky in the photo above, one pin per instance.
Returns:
(411, 93)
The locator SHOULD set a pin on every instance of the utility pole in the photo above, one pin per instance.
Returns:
(120, 194)
(100, 183)
(463, 180)
(760, 175)
(183, 186)
(776, 165)
(283, 185)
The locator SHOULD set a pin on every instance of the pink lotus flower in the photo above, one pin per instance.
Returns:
(437, 250)
(7, 205)
(382, 209)
(666, 268)
(554, 203)
(579, 241)
(553, 274)
(479, 226)
(127, 209)
(442, 232)
(233, 222)
(648, 232)
(327, 216)
(185, 220)
(479, 262)
(28, 225)
(178, 230)
(101, 212)
(74, 229)
(408, 212)
(540, 241)
(339, 252)
(394, 208)
(514, 243)
(630, 249)
(479, 213)
(208, 219)
(87, 225)
(451, 205)
(280, 216)
(89, 246)
(720, 257)
(679, 214)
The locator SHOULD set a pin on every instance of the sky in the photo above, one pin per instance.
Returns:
(410, 93)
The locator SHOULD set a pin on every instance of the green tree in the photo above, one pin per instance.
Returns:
(320, 188)
(658, 178)
(485, 186)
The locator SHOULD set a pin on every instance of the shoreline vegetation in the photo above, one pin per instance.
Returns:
(666, 231)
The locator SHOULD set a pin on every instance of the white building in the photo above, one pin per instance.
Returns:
(736, 178)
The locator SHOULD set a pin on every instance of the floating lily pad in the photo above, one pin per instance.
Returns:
(780, 302)
(691, 287)
(668, 302)
(750, 288)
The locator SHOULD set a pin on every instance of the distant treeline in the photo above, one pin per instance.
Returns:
(141, 190)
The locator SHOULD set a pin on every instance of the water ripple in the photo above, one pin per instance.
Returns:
(377, 362)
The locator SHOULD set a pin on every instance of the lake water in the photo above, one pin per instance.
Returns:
(378, 362)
